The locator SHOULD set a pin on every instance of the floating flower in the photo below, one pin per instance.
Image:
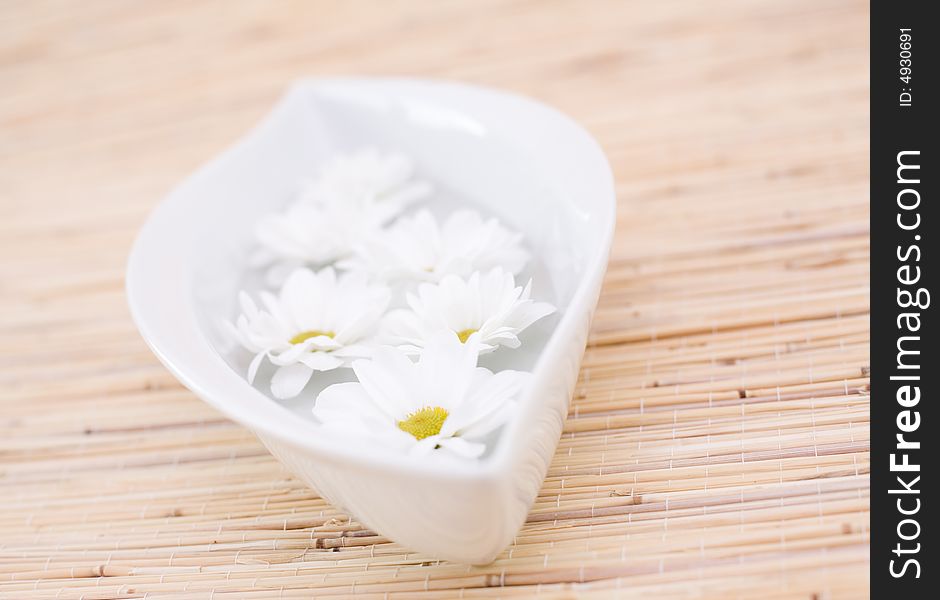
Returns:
(418, 248)
(443, 402)
(317, 322)
(366, 177)
(489, 307)
(348, 204)
(310, 235)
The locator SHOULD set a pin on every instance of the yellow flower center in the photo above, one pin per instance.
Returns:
(464, 335)
(425, 422)
(303, 336)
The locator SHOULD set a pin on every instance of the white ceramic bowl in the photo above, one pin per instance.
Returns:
(508, 156)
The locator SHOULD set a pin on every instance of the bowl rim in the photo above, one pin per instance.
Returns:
(164, 313)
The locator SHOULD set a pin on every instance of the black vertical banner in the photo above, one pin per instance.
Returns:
(905, 371)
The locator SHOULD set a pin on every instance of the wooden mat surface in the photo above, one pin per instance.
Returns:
(718, 442)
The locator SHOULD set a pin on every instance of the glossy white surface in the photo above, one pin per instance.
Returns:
(509, 156)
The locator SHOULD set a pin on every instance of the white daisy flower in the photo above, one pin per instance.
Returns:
(443, 402)
(366, 176)
(418, 248)
(489, 307)
(318, 322)
(348, 204)
(312, 235)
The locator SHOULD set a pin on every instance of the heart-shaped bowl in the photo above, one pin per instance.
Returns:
(507, 156)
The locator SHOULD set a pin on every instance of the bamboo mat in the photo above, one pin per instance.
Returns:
(718, 442)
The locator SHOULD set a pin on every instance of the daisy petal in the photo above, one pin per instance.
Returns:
(486, 423)
(388, 379)
(446, 366)
(288, 381)
(425, 446)
(488, 404)
(462, 447)
(253, 367)
(320, 361)
(247, 304)
(354, 351)
(528, 312)
(342, 401)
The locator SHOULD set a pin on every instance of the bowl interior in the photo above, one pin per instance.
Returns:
(498, 153)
